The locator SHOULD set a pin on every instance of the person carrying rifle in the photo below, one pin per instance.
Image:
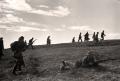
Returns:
(31, 41)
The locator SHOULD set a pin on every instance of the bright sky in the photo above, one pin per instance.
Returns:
(61, 19)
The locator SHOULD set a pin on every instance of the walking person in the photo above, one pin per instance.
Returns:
(86, 37)
(102, 35)
(73, 40)
(31, 41)
(80, 37)
(18, 47)
(48, 41)
(96, 37)
(93, 37)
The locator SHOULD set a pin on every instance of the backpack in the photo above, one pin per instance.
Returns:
(14, 46)
(18, 46)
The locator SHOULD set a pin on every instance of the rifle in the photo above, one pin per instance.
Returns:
(32, 42)
(104, 60)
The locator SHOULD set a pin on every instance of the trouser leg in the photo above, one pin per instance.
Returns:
(18, 65)
(15, 68)
(1, 54)
(22, 63)
(103, 38)
(32, 46)
(81, 40)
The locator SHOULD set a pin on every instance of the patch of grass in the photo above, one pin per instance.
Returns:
(33, 65)
(43, 65)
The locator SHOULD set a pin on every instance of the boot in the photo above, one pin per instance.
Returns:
(14, 72)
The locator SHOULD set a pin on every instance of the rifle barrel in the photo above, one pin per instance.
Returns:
(100, 61)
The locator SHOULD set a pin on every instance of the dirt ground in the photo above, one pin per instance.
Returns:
(43, 64)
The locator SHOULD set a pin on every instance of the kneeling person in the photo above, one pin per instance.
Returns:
(90, 59)
(67, 65)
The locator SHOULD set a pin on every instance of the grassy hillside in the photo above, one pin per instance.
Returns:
(42, 63)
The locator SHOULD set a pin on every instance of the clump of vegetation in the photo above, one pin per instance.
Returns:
(32, 65)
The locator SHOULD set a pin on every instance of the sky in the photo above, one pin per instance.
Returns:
(61, 19)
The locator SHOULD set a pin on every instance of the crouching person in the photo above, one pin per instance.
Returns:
(18, 47)
(68, 66)
(90, 59)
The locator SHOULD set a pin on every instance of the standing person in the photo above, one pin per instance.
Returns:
(80, 37)
(1, 47)
(30, 44)
(86, 37)
(96, 37)
(73, 40)
(48, 41)
(18, 47)
(102, 35)
(93, 37)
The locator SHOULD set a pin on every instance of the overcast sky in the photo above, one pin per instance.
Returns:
(61, 19)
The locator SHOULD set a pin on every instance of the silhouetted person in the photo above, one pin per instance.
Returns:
(102, 35)
(73, 40)
(80, 37)
(18, 47)
(96, 37)
(86, 37)
(1, 47)
(31, 41)
(93, 37)
(48, 41)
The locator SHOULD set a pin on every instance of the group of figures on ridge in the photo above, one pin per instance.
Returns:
(95, 37)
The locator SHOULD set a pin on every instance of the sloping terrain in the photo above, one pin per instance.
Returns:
(43, 62)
